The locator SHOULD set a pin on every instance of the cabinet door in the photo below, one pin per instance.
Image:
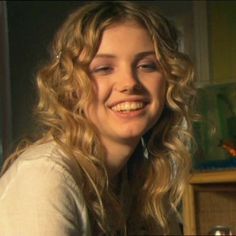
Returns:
(209, 201)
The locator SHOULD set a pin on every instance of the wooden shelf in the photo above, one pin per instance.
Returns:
(226, 176)
(210, 200)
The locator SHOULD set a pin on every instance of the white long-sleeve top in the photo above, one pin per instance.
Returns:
(39, 196)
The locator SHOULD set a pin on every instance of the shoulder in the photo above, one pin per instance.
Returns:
(40, 184)
(46, 155)
(41, 164)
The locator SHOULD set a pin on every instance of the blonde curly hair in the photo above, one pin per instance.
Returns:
(64, 86)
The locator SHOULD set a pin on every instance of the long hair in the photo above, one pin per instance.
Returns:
(65, 91)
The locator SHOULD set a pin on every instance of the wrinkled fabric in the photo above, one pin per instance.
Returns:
(39, 196)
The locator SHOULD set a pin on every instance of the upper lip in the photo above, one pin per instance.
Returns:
(133, 99)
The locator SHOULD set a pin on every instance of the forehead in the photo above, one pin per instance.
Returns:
(125, 35)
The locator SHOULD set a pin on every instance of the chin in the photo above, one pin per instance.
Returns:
(132, 135)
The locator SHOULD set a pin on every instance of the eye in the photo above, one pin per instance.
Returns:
(148, 67)
(102, 70)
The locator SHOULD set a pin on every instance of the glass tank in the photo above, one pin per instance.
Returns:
(216, 133)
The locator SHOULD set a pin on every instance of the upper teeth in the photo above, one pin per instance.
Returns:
(128, 106)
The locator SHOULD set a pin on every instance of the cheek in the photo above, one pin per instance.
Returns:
(158, 89)
(99, 98)
(102, 91)
(162, 91)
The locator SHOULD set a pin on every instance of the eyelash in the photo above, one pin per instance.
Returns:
(146, 67)
(103, 69)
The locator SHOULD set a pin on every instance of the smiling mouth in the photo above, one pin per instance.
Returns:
(128, 106)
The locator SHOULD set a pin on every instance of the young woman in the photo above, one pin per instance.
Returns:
(112, 157)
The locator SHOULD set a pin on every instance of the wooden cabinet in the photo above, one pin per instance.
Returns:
(210, 200)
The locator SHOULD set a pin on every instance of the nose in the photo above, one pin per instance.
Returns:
(127, 81)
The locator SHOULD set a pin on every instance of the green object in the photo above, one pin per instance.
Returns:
(217, 105)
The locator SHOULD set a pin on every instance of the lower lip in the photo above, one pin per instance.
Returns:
(130, 114)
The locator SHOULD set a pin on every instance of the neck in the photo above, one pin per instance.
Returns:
(117, 156)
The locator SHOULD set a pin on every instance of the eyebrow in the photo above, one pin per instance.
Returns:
(138, 55)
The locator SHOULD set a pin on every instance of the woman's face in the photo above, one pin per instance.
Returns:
(129, 85)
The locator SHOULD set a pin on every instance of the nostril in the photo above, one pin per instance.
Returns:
(130, 87)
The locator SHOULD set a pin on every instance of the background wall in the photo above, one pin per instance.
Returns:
(222, 40)
(31, 28)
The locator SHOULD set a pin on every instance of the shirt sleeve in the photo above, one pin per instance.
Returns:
(42, 200)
